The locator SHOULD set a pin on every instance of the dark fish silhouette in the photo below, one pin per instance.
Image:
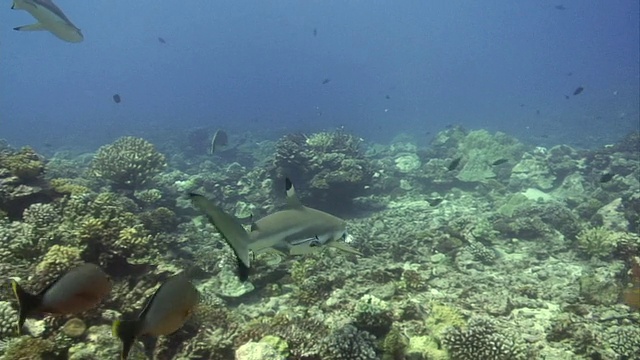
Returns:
(387, 97)
(560, 7)
(166, 312)
(566, 97)
(499, 162)
(219, 139)
(315, 32)
(78, 290)
(161, 40)
(578, 90)
(116, 98)
(454, 164)
(606, 177)
(537, 112)
(326, 81)
(569, 73)
(435, 202)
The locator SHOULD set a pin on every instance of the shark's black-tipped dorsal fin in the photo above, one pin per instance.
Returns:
(292, 199)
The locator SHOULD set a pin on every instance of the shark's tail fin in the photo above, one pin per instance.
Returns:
(231, 230)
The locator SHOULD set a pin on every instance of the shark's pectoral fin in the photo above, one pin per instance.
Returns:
(344, 247)
(32, 27)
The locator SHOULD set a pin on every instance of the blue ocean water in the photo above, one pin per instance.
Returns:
(378, 68)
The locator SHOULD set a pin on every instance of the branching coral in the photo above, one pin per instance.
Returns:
(43, 217)
(148, 197)
(56, 261)
(27, 347)
(132, 239)
(68, 186)
(598, 241)
(18, 241)
(128, 163)
(105, 226)
(159, 220)
(8, 319)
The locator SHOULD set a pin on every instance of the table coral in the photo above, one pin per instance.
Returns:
(22, 182)
(26, 164)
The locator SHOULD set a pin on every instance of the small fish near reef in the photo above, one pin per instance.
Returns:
(499, 162)
(435, 201)
(166, 311)
(454, 164)
(218, 140)
(116, 98)
(80, 289)
(326, 81)
(578, 90)
(606, 177)
(162, 41)
(50, 18)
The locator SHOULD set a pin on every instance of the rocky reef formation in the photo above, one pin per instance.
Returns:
(533, 256)
(22, 181)
(329, 166)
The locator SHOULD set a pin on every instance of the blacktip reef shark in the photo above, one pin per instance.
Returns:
(296, 230)
(50, 18)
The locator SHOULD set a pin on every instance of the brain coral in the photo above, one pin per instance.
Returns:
(128, 163)
(482, 340)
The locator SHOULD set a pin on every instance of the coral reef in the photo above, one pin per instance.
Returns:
(329, 166)
(349, 343)
(8, 319)
(128, 163)
(598, 241)
(25, 164)
(481, 339)
(22, 181)
(474, 246)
